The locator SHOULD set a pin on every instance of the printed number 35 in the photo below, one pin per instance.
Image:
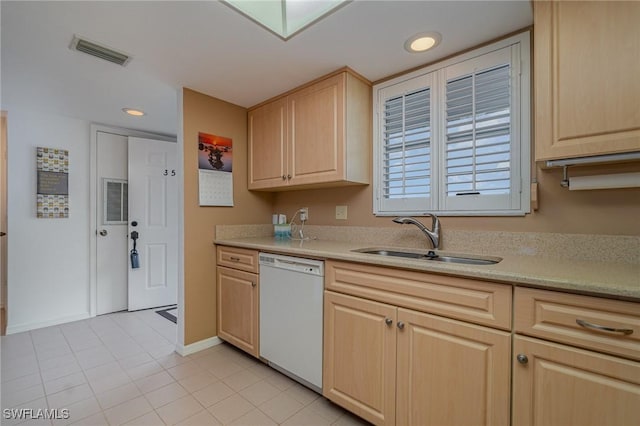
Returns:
(166, 172)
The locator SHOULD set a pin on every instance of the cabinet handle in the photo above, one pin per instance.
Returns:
(400, 325)
(253, 284)
(522, 359)
(388, 321)
(234, 259)
(284, 177)
(288, 176)
(585, 324)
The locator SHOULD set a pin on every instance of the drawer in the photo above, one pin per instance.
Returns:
(238, 258)
(475, 301)
(610, 326)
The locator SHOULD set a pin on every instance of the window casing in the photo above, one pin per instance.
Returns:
(454, 138)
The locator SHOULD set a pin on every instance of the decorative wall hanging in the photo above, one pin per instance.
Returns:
(52, 194)
(215, 161)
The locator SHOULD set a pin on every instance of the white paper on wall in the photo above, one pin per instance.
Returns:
(215, 188)
(215, 170)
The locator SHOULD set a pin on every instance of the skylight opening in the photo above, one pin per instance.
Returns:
(285, 18)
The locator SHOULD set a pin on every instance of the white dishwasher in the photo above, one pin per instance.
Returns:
(291, 296)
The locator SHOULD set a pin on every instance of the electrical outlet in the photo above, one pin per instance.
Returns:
(304, 214)
(341, 212)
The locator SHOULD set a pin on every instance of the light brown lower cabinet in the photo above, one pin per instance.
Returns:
(359, 371)
(238, 298)
(393, 365)
(554, 384)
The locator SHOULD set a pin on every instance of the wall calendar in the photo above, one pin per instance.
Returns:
(215, 170)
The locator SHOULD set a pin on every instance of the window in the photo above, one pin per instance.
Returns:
(116, 202)
(453, 138)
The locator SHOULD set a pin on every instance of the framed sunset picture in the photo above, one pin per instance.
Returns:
(215, 153)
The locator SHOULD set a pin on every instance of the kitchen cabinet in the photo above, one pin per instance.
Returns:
(238, 296)
(393, 365)
(587, 62)
(558, 384)
(267, 150)
(359, 371)
(316, 136)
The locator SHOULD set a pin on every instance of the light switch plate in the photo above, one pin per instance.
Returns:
(341, 212)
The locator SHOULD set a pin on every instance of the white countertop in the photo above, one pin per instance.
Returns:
(614, 280)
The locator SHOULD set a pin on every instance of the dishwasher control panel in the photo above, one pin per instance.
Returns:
(298, 264)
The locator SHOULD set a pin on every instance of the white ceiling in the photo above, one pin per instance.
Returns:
(209, 47)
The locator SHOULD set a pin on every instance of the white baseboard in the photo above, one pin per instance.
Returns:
(19, 328)
(198, 346)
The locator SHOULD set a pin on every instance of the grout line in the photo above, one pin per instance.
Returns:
(108, 325)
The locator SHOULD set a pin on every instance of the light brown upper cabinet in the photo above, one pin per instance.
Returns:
(587, 90)
(318, 135)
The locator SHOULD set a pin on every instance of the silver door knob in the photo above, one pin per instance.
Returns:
(400, 325)
(388, 321)
(522, 359)
(103, 232)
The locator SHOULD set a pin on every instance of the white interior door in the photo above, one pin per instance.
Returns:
(112, 206)
(153, 191)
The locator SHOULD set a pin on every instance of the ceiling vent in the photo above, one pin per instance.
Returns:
(99, 51)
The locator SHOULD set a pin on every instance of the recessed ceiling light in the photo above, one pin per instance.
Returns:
(134, 112)
(422, 42)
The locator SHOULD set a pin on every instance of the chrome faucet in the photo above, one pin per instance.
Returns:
(433, 234)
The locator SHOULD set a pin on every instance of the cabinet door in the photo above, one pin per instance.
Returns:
(560, 385)
(316, 135)
(267, 145)
(450, 372)
(238, 308)
(587, 62)
(360, 356)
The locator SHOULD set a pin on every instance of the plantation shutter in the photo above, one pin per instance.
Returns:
(406, 150)
(478, 133)
(454, 138)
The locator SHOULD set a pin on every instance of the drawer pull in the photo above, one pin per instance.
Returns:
(585, 324)
(234, 259)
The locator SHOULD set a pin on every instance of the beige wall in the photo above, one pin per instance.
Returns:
(209, 115)
(610, 212)
(606, 212)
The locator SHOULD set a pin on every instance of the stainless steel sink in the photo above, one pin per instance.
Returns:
(430, 255)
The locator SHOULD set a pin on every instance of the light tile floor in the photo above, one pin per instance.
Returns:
(121, 369)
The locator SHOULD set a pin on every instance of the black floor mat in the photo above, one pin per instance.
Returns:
(166, 314)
